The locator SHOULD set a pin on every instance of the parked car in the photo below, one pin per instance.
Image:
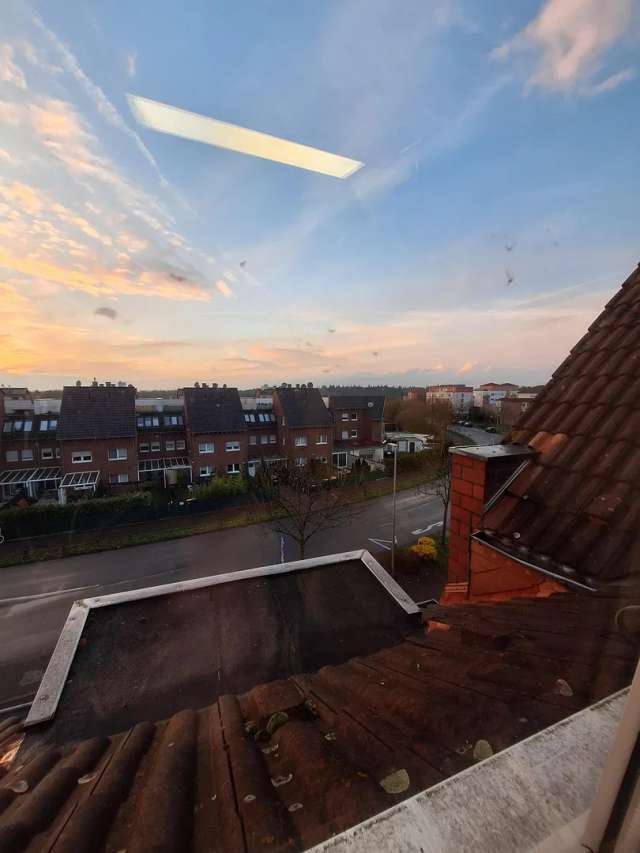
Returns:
(467, 424)
(490, 429)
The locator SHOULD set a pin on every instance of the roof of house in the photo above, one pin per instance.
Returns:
(576, 507)
(214, 410)
(371, 403)
(287, 764)
(97, 412)
(303, 407)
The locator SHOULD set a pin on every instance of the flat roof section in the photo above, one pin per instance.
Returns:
(150, 653)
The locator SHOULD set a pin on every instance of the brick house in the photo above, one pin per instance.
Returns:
(358, 428)
(263, 444)
(217, 433)
(305, 425)
(557, 506)
(97, 434)
(162, 440)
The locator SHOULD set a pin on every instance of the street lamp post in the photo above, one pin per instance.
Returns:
(393, 519)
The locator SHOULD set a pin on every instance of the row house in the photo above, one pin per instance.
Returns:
(358, 428)
(29, 447)
(98, 437)
(163, 453)
(305, 425)
(217, 433)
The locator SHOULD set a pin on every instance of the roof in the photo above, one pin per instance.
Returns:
(29, 475)
(80, 479)
(303, 407)
(213, 410)
(41, 424)
(287, 764)
(371, 403)
(92, 412)
(256, 625)
(576, 508)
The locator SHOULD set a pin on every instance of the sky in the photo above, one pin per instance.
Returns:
(494, 215)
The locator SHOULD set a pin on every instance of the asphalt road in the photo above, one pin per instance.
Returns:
(478, 436)
(35, 598)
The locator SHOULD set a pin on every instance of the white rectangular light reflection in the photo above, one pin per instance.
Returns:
(178, 122)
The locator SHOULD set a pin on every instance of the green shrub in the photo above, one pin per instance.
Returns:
(221, 487)
(80, 515)
(408, 462)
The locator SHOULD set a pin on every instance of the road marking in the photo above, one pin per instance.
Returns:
(21, 599)
(382, 543)
(426, 529)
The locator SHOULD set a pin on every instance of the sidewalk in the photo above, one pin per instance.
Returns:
(73, 543)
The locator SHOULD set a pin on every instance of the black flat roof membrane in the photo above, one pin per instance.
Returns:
(148, 659)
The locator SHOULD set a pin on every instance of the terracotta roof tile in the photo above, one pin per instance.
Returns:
(292, 762)
(586, 427)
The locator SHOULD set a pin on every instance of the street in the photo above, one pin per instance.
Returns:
(36, 598)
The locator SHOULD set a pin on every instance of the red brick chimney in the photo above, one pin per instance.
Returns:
(477, 571)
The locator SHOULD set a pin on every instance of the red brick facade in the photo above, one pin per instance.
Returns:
(99, 450)
(475, 570)
(220, 458)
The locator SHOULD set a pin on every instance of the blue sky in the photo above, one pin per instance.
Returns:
(494, 215)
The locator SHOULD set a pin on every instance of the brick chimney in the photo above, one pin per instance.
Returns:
(475, 570)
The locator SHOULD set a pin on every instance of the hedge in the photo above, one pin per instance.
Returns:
(81, 515)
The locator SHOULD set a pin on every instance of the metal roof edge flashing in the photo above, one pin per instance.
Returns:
(492, 451)
(574, 584)
(50, 690)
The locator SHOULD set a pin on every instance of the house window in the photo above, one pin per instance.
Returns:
(81, 456)
(262, 417)
(12, 455)
(321, 439)
(46, 453)
(7, 426)
(118, 478)
(53, 424)
(272, 439)
(340, 460)
(44, 426)
(264, 439)
(17, 425)
(27, 455)
(140, 422)
(301, 441)
(144, 448)
(253, 439)
(345, 434)
(233, 468)
(27, 426)
(232, 446)
(57, 453)
(169, 445)
(354, 416)
(345, 416)
(246, 417)
(354, 433)
(155, 446)
(180, 445)
(300, 461)
(117, 453)
(205, 447)
(206, 471)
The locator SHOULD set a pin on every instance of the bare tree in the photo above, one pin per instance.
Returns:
(303, 501)
(439, 485)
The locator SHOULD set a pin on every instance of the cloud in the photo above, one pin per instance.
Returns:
(612, 82)
(132, 59)
(224, 289)
(568, 39)
(104, 311)
(95, 93)
(9, 71)
(467, 367)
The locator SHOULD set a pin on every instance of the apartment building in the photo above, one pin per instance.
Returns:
(460, 397)
(217, 432)
(358, 428)
(305, 425)
(490, 395)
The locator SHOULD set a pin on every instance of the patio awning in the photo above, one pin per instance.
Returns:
(81, 480)
(29, 475)
(170, 463)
